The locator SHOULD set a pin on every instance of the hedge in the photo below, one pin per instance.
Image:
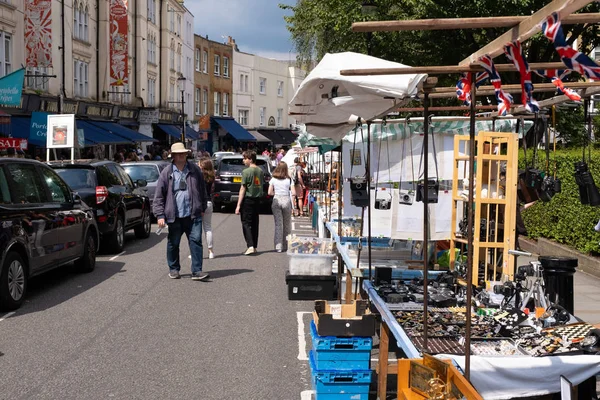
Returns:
(564, 219)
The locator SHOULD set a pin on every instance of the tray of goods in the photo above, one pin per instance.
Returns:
(546, 344)
(573, 332)
(310, 245)
(440, 345)
(495, 347)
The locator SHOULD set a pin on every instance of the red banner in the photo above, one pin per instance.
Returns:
(19, 144)
(118, 42)
(38, 33)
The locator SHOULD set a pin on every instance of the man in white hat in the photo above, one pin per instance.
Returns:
(179, 202)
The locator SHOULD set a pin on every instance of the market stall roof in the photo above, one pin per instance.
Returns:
(122, 131)
(234, 129)
(327, 101)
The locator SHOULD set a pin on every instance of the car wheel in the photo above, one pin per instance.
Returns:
(142, 230)
(13, 282)
(117, 238)
(87, 262)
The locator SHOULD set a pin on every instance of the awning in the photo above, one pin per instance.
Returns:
(96, 135)
(234, 129)
(172, 130)
(122, 131)
(259, 137)
(20, 128)
(190, 133)
(279, 136)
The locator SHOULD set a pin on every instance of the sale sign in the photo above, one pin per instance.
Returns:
(13, 143)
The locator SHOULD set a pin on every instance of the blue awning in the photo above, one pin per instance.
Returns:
(190, 133)
(96, 135)
(172, 130)
(234, 129)
(122, 131)
(21, 127)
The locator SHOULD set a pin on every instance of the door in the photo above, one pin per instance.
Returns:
(40, 220)
(73, 218)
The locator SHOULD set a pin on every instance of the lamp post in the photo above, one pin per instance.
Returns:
(369, 9)
(181, 81)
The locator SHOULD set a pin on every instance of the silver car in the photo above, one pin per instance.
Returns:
(147, 170)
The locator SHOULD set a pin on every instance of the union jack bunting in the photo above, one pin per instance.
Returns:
(573, 59)
(463, 86)
(556, 76)
(504, 99)
(514, 52)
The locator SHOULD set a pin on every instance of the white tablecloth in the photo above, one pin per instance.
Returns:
(510, 377)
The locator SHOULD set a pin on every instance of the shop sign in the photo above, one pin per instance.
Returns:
(11, 87)
(39, 125)
(124, 113)
(13, 143)
(307, 150)
(69, 108)
(60, 132)
(49, 106)
(97, 111)
(148, 116)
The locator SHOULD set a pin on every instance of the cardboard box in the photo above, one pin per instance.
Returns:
(344, 319)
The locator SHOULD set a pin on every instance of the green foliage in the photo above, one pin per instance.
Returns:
(565, 219)
(570, 126)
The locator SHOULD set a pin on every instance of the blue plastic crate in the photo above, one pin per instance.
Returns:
(340, 385)
(340, 353)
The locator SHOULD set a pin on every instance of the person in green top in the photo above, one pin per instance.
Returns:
(251, 192)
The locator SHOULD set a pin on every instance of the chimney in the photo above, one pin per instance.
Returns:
(231, 42)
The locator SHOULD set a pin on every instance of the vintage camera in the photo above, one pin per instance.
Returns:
(359, 196)
(506, 289)
(588, 192)
(548, 188)
(527, 182)
(432, 187)
(383, 204)
(407, 197)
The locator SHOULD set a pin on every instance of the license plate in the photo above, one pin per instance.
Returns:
(237, 179)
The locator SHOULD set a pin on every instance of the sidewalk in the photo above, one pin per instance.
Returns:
(586, 290)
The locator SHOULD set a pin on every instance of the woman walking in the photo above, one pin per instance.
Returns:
(280, 187)
(208, 171)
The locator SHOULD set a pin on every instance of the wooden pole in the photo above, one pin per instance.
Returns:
(461, 23)
(444, 69)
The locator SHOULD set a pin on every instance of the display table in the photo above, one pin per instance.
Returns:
(493, 377)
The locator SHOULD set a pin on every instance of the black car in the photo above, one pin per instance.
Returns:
(43, 225)
(228, 178)
(117, 201)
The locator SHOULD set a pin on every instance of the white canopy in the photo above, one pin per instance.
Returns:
(328, 102)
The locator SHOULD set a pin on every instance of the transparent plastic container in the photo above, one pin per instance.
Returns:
(310, 256)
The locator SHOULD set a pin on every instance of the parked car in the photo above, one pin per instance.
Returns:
(118, 203)
(228, 178)
(148, 171)
(43, 225)
(217, 156)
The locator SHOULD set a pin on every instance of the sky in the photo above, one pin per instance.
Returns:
(256, 25)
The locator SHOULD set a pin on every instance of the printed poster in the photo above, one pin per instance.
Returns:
(38, 33)
(61, 131)
(118, 42)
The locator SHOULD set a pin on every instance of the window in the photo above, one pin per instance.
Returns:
(205, 101)
(106, 177)
(86, 17)
(241, 82)
(279, 89)
(217, 103)
(198, 60)
(205, 61)
(172, 55)
(263, 86)
(280, 117)
(75, 20)
(151, 11)
(225, 104)
(171, 13)
(151, 92)
(171, 94)
(59, 191)
(178, 25)
(263, 111)
(80, 78)
(5, 53)
(81, 17)
(28, 187)
(34, 82)
(226, 67)
(217, 65)
(243, 117)
(178, 58)
(197, 101)
(246, 83)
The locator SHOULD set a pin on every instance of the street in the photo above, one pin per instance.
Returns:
(127, 331)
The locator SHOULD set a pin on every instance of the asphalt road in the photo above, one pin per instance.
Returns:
(127, 331)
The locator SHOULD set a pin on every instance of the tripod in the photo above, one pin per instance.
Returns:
(536, 291)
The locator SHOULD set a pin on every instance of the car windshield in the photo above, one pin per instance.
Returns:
(78, 178)
(236, 165)
(147, 172)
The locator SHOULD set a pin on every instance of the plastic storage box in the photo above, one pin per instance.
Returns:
(310, 256)
(340, 353)
(307, 287)
(339, 385)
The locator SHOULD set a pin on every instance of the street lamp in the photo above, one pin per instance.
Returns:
(181, 81)
(369, 9)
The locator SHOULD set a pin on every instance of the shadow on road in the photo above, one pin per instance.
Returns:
(59, 285)
(222, 273)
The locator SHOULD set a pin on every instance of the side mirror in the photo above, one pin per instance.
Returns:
(76, 198)
(141, 183)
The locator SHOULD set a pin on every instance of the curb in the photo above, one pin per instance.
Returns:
(587, 264)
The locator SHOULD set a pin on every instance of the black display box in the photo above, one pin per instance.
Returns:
(311, 287)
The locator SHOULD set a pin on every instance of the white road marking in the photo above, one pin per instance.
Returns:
(120, 254)
(293, 226)
(305, 226)
(306, 395)
(6, 316)
(302, 356)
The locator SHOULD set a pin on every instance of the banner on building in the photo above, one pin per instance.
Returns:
(11, 87)
(118, 43)
(38, 33)
(60, 132)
